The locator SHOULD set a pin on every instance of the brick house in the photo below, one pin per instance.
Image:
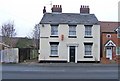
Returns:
(109, 41)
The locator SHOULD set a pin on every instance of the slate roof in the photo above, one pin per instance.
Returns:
(108, 26)
(69, 18)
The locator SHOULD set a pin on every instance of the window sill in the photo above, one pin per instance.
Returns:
(88, 56)
(54, 36)
(53, 56)
(88, 36)
(72, 36)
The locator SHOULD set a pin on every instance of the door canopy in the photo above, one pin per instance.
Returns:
(110, 43)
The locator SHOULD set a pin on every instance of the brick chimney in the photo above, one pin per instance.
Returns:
(57, 8)
(44, 10)
(84, 9)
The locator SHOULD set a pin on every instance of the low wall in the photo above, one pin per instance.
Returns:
(9, 55)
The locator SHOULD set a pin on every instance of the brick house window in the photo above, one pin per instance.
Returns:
(117, 50)
(108, 35)
(118, 32)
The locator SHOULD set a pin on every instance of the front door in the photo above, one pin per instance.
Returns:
(109, 53)
(72, 53)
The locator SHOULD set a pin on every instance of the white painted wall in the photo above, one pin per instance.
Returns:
(63, 49)
(9, 55)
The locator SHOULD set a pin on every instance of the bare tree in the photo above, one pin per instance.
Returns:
(36, 35)
(8, 31)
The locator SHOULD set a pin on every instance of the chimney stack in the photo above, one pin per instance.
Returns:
(44, 10)
(57, 8)
(84, 9)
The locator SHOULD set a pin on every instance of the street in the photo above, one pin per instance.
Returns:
(62, 71)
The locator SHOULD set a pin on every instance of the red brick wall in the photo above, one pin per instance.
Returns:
(113, 38)
(104, 40)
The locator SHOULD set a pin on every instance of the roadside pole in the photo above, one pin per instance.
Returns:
(119, 39)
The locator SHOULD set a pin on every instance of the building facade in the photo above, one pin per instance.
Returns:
(109, 41)
(69, 37)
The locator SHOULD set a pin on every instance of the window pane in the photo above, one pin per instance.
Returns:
(88, 30)
(72, 30)
(54, 30)
(54, 49)
(118, 32)
(88, 49)
(118, 50)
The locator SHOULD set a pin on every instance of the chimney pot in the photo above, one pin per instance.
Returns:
(84, 9)
(57, 8)
(60, 6)
(44, 10)
(81, 6)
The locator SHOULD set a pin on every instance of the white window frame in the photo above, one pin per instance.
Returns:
(87, 50)
(54, 30)
(72, 30)
(108, 36)
(88, 30)
(53, 47)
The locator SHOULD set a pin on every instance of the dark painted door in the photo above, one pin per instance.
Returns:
(72, 53)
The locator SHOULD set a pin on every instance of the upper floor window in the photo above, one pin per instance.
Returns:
(54, 30)
(118, 32)
(108, 35)
(88, 30)
(72, 30)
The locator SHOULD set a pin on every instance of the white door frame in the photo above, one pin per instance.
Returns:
(110, 50)
(110, 44)
(76, 48)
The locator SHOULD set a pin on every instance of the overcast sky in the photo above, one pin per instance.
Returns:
(27, 13)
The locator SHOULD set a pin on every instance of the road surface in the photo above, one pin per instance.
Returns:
(90, 71)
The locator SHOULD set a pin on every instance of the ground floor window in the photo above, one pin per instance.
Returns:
(117, 50)
(88, 49)
(54, 48)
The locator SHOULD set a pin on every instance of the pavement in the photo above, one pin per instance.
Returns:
(36, 63)
(64, 64)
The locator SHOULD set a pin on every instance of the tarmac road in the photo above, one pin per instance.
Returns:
(59, 71)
